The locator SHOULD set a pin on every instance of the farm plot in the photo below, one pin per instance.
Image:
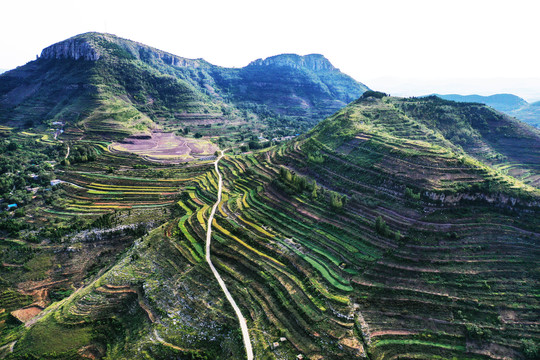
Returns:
(165, 147)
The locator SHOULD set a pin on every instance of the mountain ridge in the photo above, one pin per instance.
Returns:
(157, 83)
(510, 104)
(471, 134)
(92, 45)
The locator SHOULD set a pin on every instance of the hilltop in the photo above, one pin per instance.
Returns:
(419, 137)
(107, 86)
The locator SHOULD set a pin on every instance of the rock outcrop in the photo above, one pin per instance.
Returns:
(314, 62)
(72, 49)
(93, 46)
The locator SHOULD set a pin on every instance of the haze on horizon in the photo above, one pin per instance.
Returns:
(408, 48)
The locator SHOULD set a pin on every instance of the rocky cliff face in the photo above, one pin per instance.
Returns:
(72, 49)
(146, 54)
(314, 62)
(93, 46)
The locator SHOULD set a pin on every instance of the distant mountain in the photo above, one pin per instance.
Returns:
(501, 102)
(510, 104)
(2, 71)
(112, 87)
(296, 85)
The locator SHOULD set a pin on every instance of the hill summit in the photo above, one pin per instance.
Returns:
(314, 62)
(92, 46)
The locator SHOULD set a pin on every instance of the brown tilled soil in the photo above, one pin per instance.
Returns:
(165, 147)
(26, 313)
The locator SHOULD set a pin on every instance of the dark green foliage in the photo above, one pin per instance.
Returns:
(373, 94)
(316, 157)
(82, 154)
(409, 194)
(336, 201)
(296, 182)
(474, 331)
(12, 227)
(57, 295)
(12, 146)
(103, 222)
(381, 227)
(25, 167)
(530, 348)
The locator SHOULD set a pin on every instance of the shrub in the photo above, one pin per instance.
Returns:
(530, 349)
(374, 94)
(336, 201)
(474, 331)
(381, 227)
(409, 194)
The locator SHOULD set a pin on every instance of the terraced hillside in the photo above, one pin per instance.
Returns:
(372, 236)
(433, 130)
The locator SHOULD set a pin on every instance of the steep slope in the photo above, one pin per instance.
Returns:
(491, 137)
(507, 103)
(443, 219)
(99, 81)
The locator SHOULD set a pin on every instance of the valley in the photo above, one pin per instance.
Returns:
(358, 226)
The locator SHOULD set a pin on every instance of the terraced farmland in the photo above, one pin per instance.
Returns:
(365, 244)
(453, 283)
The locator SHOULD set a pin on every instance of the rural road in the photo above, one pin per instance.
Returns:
(241, 319)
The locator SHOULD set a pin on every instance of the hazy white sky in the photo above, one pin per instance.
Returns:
(411, 41)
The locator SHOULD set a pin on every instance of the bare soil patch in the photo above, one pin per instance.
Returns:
(27, 313)
(165, 147)
(393, 332)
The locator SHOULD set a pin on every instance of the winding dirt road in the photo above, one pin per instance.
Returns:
(241, 319)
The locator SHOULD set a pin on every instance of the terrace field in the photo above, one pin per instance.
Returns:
(165, 147)
(329, 251)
